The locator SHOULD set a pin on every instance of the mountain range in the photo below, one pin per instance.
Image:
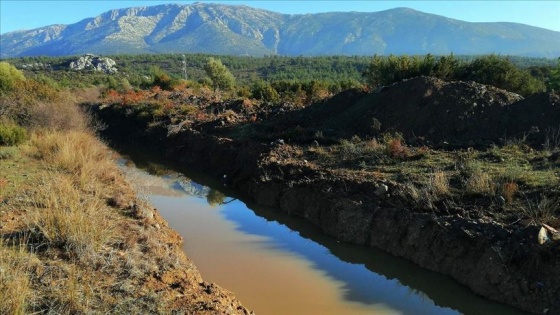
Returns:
(242, 30)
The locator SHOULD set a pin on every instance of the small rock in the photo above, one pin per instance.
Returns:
(315, 143)
(556, 236)
(142, 212)
(381, 190)
(148, 214)
(543, 236)
(280, 141)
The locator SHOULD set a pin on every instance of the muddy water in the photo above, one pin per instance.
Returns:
(276, 264)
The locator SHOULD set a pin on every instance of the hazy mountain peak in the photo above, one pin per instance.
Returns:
(227, 29)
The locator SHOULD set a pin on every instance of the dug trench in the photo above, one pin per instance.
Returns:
(497, 259)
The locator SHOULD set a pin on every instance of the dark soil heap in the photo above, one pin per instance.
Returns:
(463, 112)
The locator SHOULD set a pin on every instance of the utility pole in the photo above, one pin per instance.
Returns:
(184, 67)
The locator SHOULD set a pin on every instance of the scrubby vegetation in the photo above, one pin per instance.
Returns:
(11, 134)
(288, 75)
(236, 92)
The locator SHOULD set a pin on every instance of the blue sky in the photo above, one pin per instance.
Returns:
(21, 14)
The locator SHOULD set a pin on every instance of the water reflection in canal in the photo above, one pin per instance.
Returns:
(277, 264)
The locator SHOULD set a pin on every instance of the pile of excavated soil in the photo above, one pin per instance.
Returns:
(465, 113)
(425, 110)
(442, 111)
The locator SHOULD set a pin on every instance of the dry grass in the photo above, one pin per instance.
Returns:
(426, 196)
(509, 190)
(15, 290)
(423, 197)
(480, 183)
(70, 213)
(68, 218)
(68, 241)
(83, 253)
(439, 183)
(69, 292)
(542, 211)
(75, 152)
(63, 115)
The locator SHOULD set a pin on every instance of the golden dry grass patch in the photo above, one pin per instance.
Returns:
(15, 287)
(66, 217)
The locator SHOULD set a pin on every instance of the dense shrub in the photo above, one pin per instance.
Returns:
(220, 75)
(163, 80)
(262, 90)
(12, 134)
(9, 76)
(554, 79)
(502, 73)
(386, 70)
(493, 70)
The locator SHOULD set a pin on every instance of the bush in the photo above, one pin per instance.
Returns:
(9, 76)
(12, 134)
(6, 153)
(493, 70)
(163, 80)
(263, 91)
(220, 75)
(502, 73)
(395, 146)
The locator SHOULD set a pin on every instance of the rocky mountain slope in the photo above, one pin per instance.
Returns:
(242, 30)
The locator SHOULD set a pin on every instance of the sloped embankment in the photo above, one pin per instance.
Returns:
(75, 239)
(496, 258)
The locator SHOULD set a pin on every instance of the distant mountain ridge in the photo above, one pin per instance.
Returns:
(242, 30)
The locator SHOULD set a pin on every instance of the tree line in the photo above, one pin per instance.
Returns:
(272, 78)
(489, 69)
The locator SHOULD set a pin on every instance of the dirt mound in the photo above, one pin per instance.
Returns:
(425, 110)
(440, 111)
(535, 118)
(460, 113)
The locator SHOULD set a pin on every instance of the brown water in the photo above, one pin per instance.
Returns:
(276, 264)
